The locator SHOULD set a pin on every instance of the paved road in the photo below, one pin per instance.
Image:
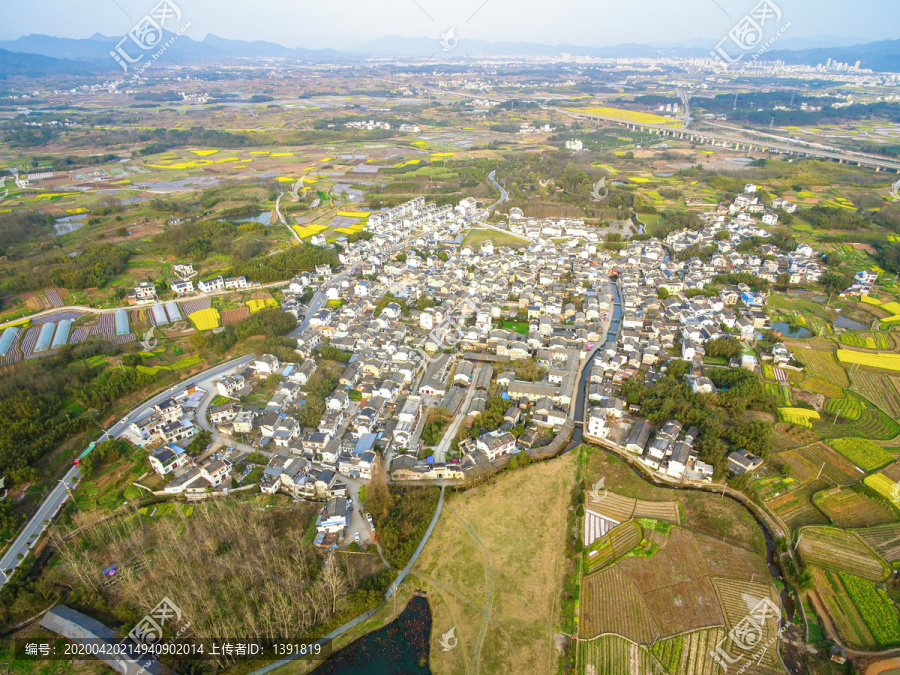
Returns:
(36, 525)
(440, 452)
(504, 195)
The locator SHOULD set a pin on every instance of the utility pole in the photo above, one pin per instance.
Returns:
(822, 468)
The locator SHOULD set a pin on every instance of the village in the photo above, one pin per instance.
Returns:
(458, 358)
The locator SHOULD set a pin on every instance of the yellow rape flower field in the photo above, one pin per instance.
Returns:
(882, 360)
(799, 416)
(256, 305)
(205, 319)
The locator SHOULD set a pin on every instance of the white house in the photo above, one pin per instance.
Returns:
(211, 285)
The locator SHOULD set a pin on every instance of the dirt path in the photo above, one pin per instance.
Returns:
(490, 590)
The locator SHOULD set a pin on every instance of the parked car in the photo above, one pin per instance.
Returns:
(356, 537)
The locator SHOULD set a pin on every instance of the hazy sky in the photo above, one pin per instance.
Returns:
(341, 23)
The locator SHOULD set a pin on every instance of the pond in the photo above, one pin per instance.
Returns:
(785, 329)
(261, 218)
(69, 224)
(739, 160)
(400, 647)
(849, 324)
(664, 174)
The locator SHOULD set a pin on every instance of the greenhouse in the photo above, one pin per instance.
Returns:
(44, 338)
(7, 340)
(159, 315)
(174, 314)
(62, 333)
(122, 322)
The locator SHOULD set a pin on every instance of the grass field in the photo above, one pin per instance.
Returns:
(477, 236)
(511, 562)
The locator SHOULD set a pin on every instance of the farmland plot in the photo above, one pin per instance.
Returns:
(617, 507)
(843, 612)
(840, 550)
(610, 603)
(851, 507)
(796, 508)
(614, 655)
(884, 539)
(820, 361)
(863, 452)
(883, 390)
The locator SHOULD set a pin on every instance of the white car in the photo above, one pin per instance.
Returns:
(124, 420)
(356, 537)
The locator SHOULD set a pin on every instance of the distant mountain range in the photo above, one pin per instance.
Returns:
(37, 55)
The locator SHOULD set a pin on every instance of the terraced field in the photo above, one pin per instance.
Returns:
(610, 603)
(843, 612)
(808, 461)
(617, 542)
(820, 386)
(820, 361)
(884, 539)
(830, 548)
(867, 340)
(872, 422)
(881, 389)
(617, 507)
(782, 395)
(616, 656)
(851, 507)
(796, 508)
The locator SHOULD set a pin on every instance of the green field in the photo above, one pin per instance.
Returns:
(477, 236)
(862, 452)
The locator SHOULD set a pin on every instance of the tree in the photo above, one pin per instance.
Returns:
(378, 498)
(835, 282)
(662, 293)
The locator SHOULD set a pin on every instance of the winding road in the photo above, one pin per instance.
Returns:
(37, 524)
